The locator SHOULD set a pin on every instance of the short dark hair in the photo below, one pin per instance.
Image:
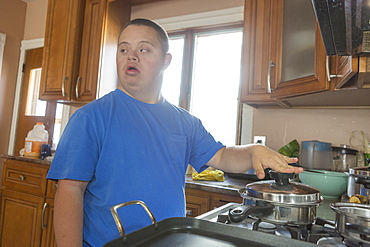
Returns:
(162, 34)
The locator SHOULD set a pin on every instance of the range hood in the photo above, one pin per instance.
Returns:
(344, 25)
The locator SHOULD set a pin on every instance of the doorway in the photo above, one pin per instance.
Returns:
(32, 110)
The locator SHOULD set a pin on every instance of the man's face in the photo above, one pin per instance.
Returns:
(140, 63)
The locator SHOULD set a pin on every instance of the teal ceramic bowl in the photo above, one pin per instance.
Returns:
(331, 184)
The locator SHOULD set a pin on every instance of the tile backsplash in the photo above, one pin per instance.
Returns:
(328, 125)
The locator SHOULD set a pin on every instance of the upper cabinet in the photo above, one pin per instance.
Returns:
(80, 46)
(284, 58)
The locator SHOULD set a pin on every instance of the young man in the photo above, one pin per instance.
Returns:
(133, 145)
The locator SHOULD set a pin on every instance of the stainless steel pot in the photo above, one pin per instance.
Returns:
(352, 221)
(296, 207)
(286, 203)
(358, 177)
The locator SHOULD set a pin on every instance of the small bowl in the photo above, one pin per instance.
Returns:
(331, 184)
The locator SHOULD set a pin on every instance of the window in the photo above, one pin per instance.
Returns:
(204, 77)
(34, 106)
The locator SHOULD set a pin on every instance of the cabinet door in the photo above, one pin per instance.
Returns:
(282, 56)
(61, 49)
(302, 64)
(20, 223)
(103, 20)
(196, 205)
(343, 68)
(262, 26)
(197, 202)
(48, 238)
(85, 87)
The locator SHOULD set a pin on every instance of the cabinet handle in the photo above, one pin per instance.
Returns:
(189, 212)
(43, 226)
(63, 85)
(77, 84)
(269, 89)
(328, 75)
(21, 177)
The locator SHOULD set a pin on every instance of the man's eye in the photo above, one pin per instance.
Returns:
(144, 50)
(123, 50)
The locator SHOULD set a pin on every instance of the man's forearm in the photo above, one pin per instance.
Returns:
(242, 158)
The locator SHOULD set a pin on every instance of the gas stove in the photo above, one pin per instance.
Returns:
(321, 232)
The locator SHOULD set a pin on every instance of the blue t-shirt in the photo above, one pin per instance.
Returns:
(130, 150)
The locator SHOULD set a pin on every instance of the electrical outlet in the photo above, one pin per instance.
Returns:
(259, 140)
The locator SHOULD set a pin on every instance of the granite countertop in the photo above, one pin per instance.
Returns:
(230, 186)
(26, 159)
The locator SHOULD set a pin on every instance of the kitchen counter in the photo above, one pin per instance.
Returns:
(26, 159)
(230, 186)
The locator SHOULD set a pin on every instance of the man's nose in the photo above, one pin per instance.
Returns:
(132, 56)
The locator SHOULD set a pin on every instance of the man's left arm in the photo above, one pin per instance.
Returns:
(237, 159)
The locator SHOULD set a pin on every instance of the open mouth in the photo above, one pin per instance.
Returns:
(131, 69)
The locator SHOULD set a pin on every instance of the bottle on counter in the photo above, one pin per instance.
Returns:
(35, 138)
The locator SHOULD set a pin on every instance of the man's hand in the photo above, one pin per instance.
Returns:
(263, 157)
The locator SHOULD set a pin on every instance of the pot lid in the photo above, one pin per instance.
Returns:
(298, 195)
(344, 150)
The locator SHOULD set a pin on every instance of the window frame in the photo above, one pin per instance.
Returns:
(189, 35)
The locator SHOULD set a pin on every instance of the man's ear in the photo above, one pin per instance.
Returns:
(167, 60)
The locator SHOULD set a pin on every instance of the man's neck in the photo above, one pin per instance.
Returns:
(150, 99)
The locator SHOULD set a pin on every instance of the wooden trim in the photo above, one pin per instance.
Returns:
(222, 16)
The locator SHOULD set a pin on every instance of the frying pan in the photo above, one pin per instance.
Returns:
(186, 232)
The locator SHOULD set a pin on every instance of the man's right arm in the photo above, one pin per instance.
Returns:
(68, 212)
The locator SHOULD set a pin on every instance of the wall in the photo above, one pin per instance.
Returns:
(12, 23)
(35, 19)
(334, 126)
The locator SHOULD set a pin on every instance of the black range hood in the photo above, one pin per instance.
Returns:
(344, 25)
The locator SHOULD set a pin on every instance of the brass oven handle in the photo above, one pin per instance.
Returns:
(117, 220)
(43, 226)
(269, 89)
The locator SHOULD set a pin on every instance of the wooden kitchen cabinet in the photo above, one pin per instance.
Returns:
(62, 46)
(284, 54)
(26, 205)
(80, 44)
(199, 202)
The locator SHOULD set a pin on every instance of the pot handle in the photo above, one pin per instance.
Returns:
(364, 181)
(240, 213)
(354, 228)
(117, 220)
